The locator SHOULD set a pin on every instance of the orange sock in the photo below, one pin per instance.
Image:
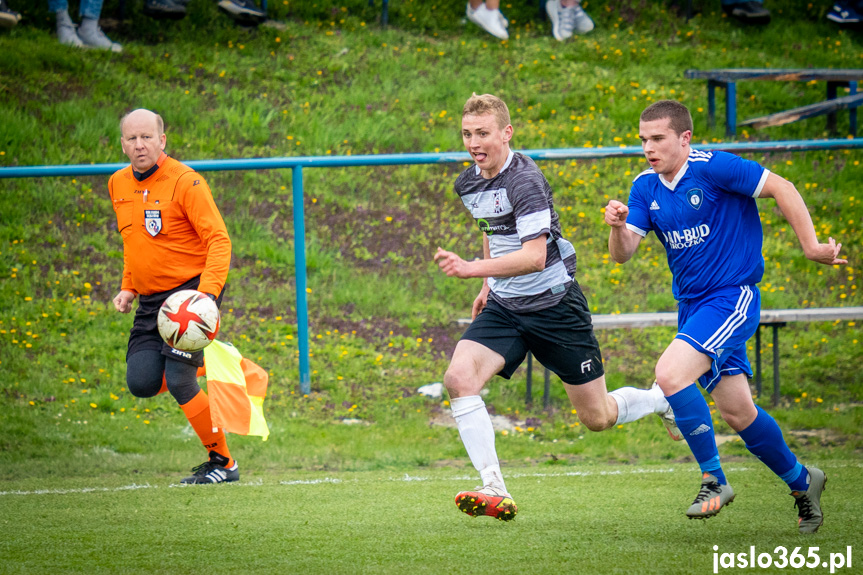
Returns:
(164, 387)
(197, 411)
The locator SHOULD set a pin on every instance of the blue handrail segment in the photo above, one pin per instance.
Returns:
(296, 165)
(430, 158)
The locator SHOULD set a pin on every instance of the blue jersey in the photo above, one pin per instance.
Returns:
(707, 220)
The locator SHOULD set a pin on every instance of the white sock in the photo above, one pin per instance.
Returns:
(634, 403)
(477, 434)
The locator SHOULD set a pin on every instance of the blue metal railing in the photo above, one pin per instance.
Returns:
(296, 165)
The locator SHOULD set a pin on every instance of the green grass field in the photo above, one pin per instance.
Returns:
(88, 473)
(598, 519)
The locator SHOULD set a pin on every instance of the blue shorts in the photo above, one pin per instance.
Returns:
(719, 325)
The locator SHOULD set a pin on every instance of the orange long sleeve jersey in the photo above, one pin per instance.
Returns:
(172, 230)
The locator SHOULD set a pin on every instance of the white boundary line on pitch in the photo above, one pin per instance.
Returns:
(403, 479)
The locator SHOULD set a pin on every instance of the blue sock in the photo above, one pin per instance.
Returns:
(693, 419)
(764, 440)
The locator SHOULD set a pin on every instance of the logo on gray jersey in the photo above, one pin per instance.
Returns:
(498, 207)
(489, 229)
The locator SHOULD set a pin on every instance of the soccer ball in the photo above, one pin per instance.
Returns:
(188, 320)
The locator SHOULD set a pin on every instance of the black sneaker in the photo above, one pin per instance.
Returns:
(243, 11)
(165, 9)
(214, 471)
(8, 18)
(750, 12)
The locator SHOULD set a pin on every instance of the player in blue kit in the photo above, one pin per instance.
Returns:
(701, 205)
(529, 301)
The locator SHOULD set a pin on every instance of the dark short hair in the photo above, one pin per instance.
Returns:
(487, 104)
(680, 120)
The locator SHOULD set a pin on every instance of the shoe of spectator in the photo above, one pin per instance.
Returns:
(243, 11)
(488, 20)
(583, 23)
(750, 12)
(165, 9)
(8, 18)
(566, 20)
(67, 34)
(844, 13)
(92, 36)
(501, 18)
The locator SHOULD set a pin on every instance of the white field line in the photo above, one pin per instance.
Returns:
(403, 479)
(79, 490)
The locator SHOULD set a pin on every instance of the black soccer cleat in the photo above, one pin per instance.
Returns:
(213, 471)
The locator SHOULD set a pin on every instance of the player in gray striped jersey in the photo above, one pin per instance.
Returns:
(529, 302)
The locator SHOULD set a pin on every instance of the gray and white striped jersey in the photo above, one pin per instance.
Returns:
(514, 207)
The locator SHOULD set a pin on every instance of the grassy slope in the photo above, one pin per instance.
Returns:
(333, 82)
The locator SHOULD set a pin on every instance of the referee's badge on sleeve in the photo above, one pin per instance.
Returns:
(153, 222)
(695, 197)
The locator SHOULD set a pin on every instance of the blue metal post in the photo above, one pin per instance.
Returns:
(730, 109)
(300, 275)
(711, 103)
(832, 88)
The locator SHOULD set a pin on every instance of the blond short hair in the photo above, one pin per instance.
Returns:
(487, 104)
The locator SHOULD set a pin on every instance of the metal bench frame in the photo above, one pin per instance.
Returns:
(727, 78)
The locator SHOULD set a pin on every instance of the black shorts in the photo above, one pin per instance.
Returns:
(560, 337)
(145, 328)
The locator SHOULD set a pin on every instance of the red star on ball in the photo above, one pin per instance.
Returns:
(183, 316)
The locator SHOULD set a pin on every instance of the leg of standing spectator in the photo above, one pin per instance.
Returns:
(67, 31)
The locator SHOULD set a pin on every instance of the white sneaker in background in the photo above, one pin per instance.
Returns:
(489, 20)
(583, 23)
(67, 34)
(91, 35)
(567, 20)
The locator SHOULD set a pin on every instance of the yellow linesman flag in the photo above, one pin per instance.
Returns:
(237, 388)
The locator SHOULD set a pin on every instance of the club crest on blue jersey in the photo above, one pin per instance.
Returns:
(153, 222)
(695, 197)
